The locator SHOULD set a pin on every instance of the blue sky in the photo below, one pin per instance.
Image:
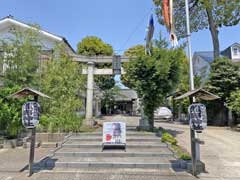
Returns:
(120, 23)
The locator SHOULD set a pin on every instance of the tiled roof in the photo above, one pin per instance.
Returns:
(206, 55)
(126, 95)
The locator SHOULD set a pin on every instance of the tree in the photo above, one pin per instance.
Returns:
(62, 81)
(234, 101)
(135, 51)
(153, 77)
(21, 56)
(108, 100)
(224, 78)
(10, 112)
(94, 46)
(212, 14)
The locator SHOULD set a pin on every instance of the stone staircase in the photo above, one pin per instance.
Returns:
(84, 150)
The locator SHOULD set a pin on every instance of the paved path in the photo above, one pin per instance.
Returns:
(13, 161)
(221, 151)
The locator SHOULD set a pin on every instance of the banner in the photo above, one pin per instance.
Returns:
(114, 133)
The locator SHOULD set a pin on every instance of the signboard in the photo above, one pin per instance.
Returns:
(114, 133)
(30, 114)
(197, 116)
(116, 65)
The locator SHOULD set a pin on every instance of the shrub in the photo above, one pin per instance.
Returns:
(166, 137)
(185, 156)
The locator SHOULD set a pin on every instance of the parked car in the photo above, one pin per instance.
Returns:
(163, 113)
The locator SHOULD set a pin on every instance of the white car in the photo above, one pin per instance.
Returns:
(163, 113)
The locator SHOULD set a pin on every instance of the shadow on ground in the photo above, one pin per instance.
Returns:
(47, 163)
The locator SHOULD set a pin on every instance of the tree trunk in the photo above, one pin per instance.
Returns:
(149, 112)
(214, 30)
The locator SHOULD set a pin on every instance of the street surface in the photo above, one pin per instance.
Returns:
(220, 153)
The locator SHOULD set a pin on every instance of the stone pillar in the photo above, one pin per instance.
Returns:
(97, 108)
(143, 121)
(90, 84)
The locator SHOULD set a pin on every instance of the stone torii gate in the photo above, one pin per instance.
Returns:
(91, 71)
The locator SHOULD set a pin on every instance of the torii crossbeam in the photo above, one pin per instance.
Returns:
(91, 71)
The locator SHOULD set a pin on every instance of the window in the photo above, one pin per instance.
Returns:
(235, 51)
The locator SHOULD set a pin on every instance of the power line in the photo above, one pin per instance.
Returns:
(134, 30)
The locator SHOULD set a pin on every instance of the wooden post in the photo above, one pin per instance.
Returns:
(32, 146)
(32, 149)
(24, 93)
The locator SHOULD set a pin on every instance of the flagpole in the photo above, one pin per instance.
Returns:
(195, 151)
(189, 47)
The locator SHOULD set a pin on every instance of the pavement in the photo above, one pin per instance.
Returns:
(13, 162)
(220, 153)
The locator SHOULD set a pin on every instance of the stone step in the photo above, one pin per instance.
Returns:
(49, 145)
(100, 142)
(113, 154)
(111, 171)
(128, 139)
(116, 164)
(133, 133)
(99, 145)
(128, 150)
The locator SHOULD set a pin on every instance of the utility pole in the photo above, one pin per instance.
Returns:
(195, 148)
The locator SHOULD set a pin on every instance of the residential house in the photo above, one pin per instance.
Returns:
(219, 115)
(202, 60)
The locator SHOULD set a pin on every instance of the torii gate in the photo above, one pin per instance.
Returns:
(91, 71)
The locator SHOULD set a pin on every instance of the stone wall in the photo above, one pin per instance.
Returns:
(50, 137)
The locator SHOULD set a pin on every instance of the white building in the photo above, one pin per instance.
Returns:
(48, 40)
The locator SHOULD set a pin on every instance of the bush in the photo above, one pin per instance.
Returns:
(166, 137)
(185, 156)
(10, 113)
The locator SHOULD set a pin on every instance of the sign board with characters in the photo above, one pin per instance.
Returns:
(30, 114)
(114, 133)
(197, 116)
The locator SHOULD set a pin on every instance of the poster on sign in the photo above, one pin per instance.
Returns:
(30, 114)
(114, 133)
(197, 116)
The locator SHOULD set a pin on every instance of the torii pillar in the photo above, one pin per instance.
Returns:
(90, 87)
(91, 71)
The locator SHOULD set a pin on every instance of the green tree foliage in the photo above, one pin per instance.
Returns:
(58, 77)
(234, 101)
(94, 46)
(224, 78)
(62, 81)
(21, 55)
(135, 51)
(10, 112)
(153, 77)
(108, 100)
(212, 14)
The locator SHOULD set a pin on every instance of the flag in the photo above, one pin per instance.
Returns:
(149, 35)
(167, 12)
